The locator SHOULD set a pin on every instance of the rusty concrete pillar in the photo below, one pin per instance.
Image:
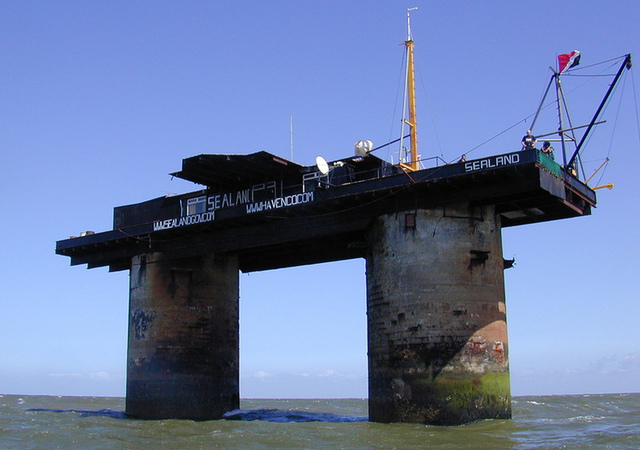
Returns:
(183, 354)
(437, 332)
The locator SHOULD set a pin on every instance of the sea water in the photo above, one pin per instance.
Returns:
(571, 421)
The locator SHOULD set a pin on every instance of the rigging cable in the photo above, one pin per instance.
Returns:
(431, 116)
(635, 102)
(622, 87)
(614, 61)
(605, 108)
(615, 122)
(496, 136)
(395, 106)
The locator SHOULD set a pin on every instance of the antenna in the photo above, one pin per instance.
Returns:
(291, 135)
(409, 22)
(322, 164)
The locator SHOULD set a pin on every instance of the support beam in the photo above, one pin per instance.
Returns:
(183, 350)
(437, 331)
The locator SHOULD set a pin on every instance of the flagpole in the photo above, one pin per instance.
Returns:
(560, 121)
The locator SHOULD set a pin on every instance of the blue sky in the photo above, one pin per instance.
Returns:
(101, 100)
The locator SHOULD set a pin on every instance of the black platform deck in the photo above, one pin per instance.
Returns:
(274, 213)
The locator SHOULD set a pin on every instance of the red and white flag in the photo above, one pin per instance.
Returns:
(568, 60)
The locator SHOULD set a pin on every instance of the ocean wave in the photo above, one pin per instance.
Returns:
(278, 415)
(267, 415)
(85, 413)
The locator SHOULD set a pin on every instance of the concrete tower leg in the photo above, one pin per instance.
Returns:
(437, 330)
(183, 337)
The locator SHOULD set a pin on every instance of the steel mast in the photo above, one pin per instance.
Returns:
(410, 96)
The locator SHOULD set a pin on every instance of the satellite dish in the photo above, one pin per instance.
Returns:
(363, 148)
(322, 164)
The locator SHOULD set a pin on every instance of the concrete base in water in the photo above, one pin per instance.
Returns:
(437, 330)
(183, 354)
